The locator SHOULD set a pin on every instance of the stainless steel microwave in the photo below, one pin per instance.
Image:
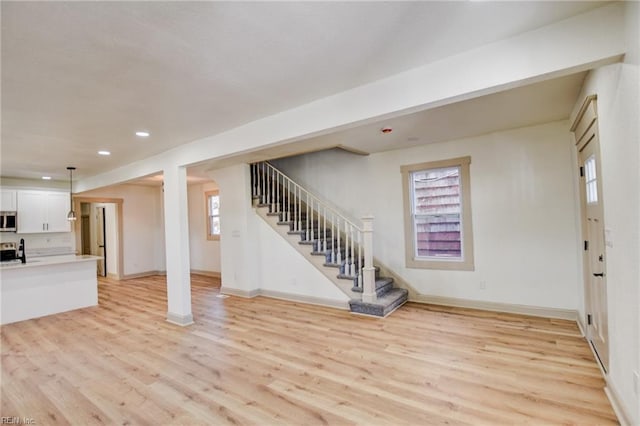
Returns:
(8, 222)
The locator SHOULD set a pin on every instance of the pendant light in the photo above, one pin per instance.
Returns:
(71, 216)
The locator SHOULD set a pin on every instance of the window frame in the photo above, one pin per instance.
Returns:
(207, 215)
(466, 263)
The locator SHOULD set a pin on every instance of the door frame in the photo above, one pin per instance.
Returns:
(119, 233)
(580, 128)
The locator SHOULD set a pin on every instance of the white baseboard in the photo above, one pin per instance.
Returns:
(312, 300)
(583, 330)
(213, 274)
(537, 311)
(240, 293)
(181, 320)
(143, 274)
(618, 408)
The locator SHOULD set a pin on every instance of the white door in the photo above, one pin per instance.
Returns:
(594, 259)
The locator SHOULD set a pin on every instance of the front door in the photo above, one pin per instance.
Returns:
(594, 260)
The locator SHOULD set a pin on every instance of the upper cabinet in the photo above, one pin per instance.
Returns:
(42, 211)
(8, 200)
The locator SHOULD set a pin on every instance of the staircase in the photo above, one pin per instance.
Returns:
(334, 244)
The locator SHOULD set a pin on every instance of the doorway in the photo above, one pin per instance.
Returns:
(99, 233)
(585, 130)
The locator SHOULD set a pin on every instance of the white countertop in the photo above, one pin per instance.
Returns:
(49, 260)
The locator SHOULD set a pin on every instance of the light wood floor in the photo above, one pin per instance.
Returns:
(267, 362)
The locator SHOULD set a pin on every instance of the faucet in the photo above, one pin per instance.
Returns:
(23, 256)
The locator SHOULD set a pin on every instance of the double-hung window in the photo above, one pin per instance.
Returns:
(213, 215)
(437, 202)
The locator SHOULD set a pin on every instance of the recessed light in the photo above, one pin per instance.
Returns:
(46, 177)
(142, 134)
(104, 153)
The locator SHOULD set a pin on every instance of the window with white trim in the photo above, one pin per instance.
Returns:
(213, 215)
(438, 232)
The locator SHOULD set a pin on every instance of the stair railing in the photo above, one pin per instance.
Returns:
(343, 243)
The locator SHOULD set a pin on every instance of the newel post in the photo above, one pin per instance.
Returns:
(368, 272)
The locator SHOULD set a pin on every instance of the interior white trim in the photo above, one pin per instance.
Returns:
(215, 274)
(181, 320)
(240, 293)
(512, 308)
(618, 408)
(143, 274)
(337, 304)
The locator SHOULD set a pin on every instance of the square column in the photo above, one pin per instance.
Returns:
(176, 231)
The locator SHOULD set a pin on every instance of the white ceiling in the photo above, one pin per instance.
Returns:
(78, 77)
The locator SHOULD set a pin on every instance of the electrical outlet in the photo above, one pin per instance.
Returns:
(483, 285)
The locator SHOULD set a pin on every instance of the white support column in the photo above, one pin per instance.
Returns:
(176, 231)
(369, 272)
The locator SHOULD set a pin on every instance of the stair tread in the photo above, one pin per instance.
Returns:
(383, 305)
(383, 285)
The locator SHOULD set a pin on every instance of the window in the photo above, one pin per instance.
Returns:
(591, 180)
(213, 215)
(437, 203)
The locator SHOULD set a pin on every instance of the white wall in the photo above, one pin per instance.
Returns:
(523, 210)
(285, 270)
(205, 254)
(618, 94)
(143, 244)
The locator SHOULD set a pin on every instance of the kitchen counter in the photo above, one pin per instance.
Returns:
(46, 286)
(48, 260)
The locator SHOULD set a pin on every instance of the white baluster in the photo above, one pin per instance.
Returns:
(277, 192)
(333, 237)
(313, 230)
(324, 226)
(352, 269)
(296, 209)
(346, 248)
(273, 190)
(265, 172)
(338, 253)
(359, 259)
(308, 234)
(299, 209)
(287, 206)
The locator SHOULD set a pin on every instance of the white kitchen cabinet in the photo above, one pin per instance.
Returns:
(8, 200)
(42, 211)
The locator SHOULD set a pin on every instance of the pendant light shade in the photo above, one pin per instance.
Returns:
(71, 216)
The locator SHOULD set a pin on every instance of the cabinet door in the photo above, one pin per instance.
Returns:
(31, 212)
(8, 200)
(57, 209)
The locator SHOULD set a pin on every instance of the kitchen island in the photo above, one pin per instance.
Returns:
(46, 286)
